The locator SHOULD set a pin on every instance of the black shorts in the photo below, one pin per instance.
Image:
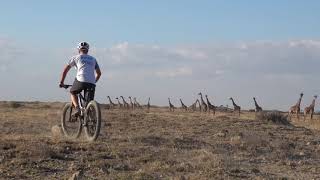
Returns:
(78, 87)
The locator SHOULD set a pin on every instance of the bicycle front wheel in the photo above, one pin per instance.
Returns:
(71, 126)
(92, 120)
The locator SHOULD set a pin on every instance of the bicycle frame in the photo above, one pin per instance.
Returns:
(84, 99)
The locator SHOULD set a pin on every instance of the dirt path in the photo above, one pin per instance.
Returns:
(156, 145)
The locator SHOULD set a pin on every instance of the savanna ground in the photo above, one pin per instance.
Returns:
(156, 145)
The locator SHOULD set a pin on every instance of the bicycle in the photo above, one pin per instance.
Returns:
(89, 118)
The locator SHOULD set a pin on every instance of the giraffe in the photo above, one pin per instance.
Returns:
(295, 109)
(131, 103)
(211, 106)
(112, 105)
(119, 103)
(171, 106)
(183, 106)
(125, 104)
(203, 106)
(310, 109)
(236, 108)
(193, 106)
(136, 104)
(148, 105)
(258, 108)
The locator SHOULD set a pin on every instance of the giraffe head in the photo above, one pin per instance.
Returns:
(301, 94)
(254, 98)
(315, 96)
(200, 93)
(231, 98)
(206, 96)
(129, 97)
(117, 98)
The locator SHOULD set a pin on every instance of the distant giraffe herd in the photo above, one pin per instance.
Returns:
(206, 106)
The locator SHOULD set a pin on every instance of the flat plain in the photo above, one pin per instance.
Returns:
(156, 145)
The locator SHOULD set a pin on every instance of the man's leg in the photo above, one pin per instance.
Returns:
(75, 90)
(74, 99)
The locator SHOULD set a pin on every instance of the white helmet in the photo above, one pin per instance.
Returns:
(83, 45)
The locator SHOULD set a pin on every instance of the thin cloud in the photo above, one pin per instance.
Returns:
(9, 53)
(273, 71)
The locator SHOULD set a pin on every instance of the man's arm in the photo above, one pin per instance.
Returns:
(64, 73)
(98, 74)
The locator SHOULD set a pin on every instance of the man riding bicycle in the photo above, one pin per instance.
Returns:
(88, 73)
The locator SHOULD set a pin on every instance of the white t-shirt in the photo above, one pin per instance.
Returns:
(85, 66)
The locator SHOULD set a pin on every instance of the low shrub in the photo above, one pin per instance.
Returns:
(274, 117)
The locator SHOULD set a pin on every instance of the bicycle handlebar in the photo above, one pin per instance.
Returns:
(66, 86)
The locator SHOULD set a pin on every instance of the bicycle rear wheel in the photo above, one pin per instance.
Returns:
(71, 127)
(92, 120)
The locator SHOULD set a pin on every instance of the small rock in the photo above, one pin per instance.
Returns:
(235, 138)
(76, 176)
(221, 134)
(256, 171)
(56, 131)
(308, 143)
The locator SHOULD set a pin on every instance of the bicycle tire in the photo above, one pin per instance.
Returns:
(93, 106)
(65, 119)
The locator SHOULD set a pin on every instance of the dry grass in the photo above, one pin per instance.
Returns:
(157, 145)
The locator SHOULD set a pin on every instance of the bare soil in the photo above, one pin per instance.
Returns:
(156, 145)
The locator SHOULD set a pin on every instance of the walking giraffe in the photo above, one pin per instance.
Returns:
(112, 105)
(131, 103)
(211, 106)
(119, 103)
(203, 106)
(148, 105)
(236, 108)
(193, 106)
(295, 109)
(310, 109)
(171, 106)
(183, 106)
(125, 104)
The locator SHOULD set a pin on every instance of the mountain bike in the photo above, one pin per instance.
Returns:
(89, 118)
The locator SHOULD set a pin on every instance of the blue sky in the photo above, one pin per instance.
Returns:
(162, 22)
(165, 48)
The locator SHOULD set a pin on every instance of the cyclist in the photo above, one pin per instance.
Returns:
(88, 73)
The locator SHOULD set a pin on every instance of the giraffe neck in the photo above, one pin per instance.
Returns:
(313, 102)
(234, 104)
(124, 101)
(110, 100)
(148, 100)
(208, 102)
(202, 101)
(299, 102)
(255, 103)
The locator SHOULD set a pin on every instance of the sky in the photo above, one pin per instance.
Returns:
(160, 49)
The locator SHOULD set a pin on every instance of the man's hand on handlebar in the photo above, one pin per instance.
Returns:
(62, 85)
